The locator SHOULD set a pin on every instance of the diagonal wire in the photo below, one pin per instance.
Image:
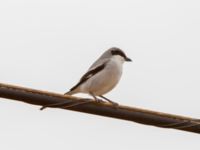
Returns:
(143, 116)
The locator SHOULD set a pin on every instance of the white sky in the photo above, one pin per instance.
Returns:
(49, 44)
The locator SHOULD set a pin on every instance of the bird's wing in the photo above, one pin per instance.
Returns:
(98, 62)
(91, 72)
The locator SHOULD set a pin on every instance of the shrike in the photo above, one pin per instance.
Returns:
(102, 76)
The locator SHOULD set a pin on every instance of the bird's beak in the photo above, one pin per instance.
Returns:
(128, 59)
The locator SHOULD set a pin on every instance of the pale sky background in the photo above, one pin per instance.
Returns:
(49, 44)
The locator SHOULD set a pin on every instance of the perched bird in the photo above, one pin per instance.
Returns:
(103, 75)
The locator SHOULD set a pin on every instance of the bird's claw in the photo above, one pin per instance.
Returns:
(99, 100)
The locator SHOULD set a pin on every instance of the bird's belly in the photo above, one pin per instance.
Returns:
(104, 81)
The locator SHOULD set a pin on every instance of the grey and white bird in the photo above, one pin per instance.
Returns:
(103, 75)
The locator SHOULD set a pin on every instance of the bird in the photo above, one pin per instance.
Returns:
(103, 75)
(101, 78)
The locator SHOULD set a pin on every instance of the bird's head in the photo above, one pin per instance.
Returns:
(116, 52)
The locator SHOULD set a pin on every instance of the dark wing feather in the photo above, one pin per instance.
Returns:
(88, 75)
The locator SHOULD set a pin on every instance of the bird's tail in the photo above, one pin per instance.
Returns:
(71, 92)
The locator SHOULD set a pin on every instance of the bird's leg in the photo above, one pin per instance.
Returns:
(95, 98)
(113, 103)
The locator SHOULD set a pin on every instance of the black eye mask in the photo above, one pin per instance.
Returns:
(118, 52)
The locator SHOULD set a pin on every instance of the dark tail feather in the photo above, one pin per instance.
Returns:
(71, 92)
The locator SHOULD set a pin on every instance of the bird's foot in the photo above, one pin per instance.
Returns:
(114, 104)
(108, 100)
(99, 100)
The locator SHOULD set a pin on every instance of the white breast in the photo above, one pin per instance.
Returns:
(105, 80)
